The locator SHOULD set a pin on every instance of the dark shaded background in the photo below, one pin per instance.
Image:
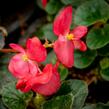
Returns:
(13, 11)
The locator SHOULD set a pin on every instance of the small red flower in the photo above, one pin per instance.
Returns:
(44, 3)
(46, 82)
(23, 65)
(67, 40)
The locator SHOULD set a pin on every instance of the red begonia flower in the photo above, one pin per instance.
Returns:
(44, 3)
(23, 63)
(46, 82)
(20, 65)
(67, 40)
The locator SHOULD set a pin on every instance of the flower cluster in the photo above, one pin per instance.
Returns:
(24, 65)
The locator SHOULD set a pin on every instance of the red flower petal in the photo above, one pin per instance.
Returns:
(44, 3)
(33, 68)
(46, 75)
(35, 50)
(63, 21)
(64, 50)
(42, 77)
(17, 47)
(50, 87)
(79, 31)
(22, 85)
(20, 68)
(80, 45)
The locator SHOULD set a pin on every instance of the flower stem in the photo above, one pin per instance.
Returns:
(38, 100)
(7, 50)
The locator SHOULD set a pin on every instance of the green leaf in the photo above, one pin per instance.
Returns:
(67, 2)
(1, 104)
(53, 6)
(60, 102)
(63, 72)
(2, 41)
(39, 33)
(97, 106)
(102, 106)
(105, 74)
(39, 3)
(92, 12)
(5, 75)
(98, 37)
(50, 18)
(79, 90)
(89, 106)
(48, 32)
(51, 58)
(84, 59)
(104, 51)
(74, 3)
(13, 98)
(104, 63)
(4, 59)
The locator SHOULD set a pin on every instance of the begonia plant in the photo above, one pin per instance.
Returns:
(59, 60)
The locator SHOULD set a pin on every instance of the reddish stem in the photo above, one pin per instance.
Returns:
(7, 50)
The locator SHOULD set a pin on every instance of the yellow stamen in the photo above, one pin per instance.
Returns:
(25, 58)
(70, 36)
(46, 44)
